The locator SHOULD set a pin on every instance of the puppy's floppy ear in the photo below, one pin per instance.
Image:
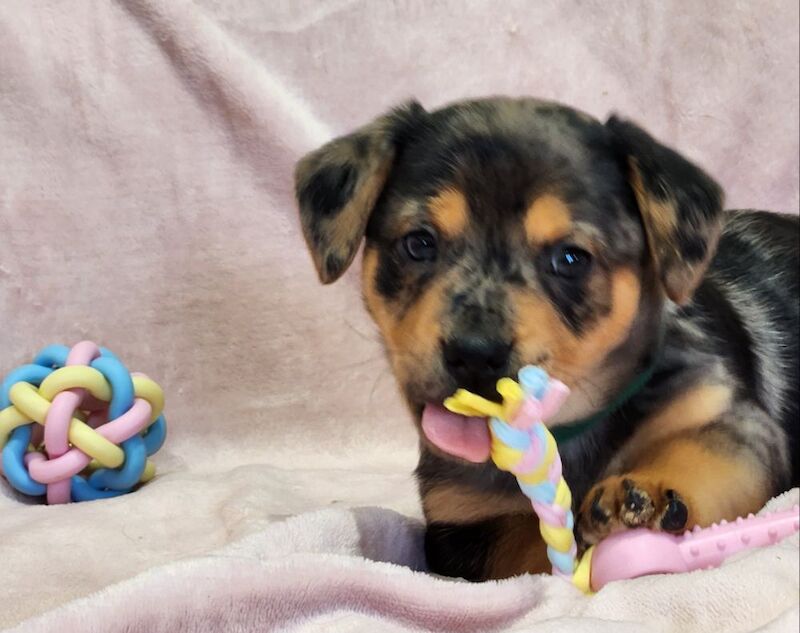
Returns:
(680, 205)
(338, 185)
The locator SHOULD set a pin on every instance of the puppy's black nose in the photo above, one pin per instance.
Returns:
(477, 362)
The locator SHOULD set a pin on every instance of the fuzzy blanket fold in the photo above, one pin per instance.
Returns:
(357, 570)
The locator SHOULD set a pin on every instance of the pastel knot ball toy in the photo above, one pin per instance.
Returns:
(76, 425)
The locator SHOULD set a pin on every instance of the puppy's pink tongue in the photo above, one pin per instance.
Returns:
(455, 434)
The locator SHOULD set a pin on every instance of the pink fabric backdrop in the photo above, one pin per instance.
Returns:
(146, 150)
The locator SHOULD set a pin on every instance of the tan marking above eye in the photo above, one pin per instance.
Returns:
(547, 220)
(450, 211)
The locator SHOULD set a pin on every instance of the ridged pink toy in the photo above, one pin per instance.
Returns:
(635, 553)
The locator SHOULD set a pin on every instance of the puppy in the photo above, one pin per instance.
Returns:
(505, 232)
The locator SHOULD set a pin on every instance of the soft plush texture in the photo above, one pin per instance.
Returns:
(145, 202)
(337, 570)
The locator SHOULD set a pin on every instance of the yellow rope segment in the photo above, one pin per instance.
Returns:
(506, 458)
(27, 399)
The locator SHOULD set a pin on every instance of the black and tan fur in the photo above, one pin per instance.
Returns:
(503, 185)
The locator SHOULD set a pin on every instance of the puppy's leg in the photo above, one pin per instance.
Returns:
(481, 536)
(722, 470)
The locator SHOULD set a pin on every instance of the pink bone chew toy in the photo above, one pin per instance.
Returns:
(641, 552)
(522, 444)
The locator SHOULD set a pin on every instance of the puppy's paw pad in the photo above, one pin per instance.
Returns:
(637, 507)
(627, 502)
(675, 515)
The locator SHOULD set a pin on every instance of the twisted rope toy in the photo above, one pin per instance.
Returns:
(522, 445)
(75, 425)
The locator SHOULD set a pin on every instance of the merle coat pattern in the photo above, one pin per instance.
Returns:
(505, 232)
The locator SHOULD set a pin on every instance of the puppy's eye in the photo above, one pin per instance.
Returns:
(420, 246)
(570, 262)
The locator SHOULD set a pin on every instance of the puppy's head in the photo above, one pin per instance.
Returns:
(507, 232)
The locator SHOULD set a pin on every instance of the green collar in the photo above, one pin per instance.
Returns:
(567, 432)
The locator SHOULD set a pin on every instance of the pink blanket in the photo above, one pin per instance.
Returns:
(146, 149)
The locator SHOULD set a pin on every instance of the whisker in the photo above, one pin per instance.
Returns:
(380, 375)
(359, 363)
(367, 337)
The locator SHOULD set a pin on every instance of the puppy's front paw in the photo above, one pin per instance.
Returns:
(630, 501)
